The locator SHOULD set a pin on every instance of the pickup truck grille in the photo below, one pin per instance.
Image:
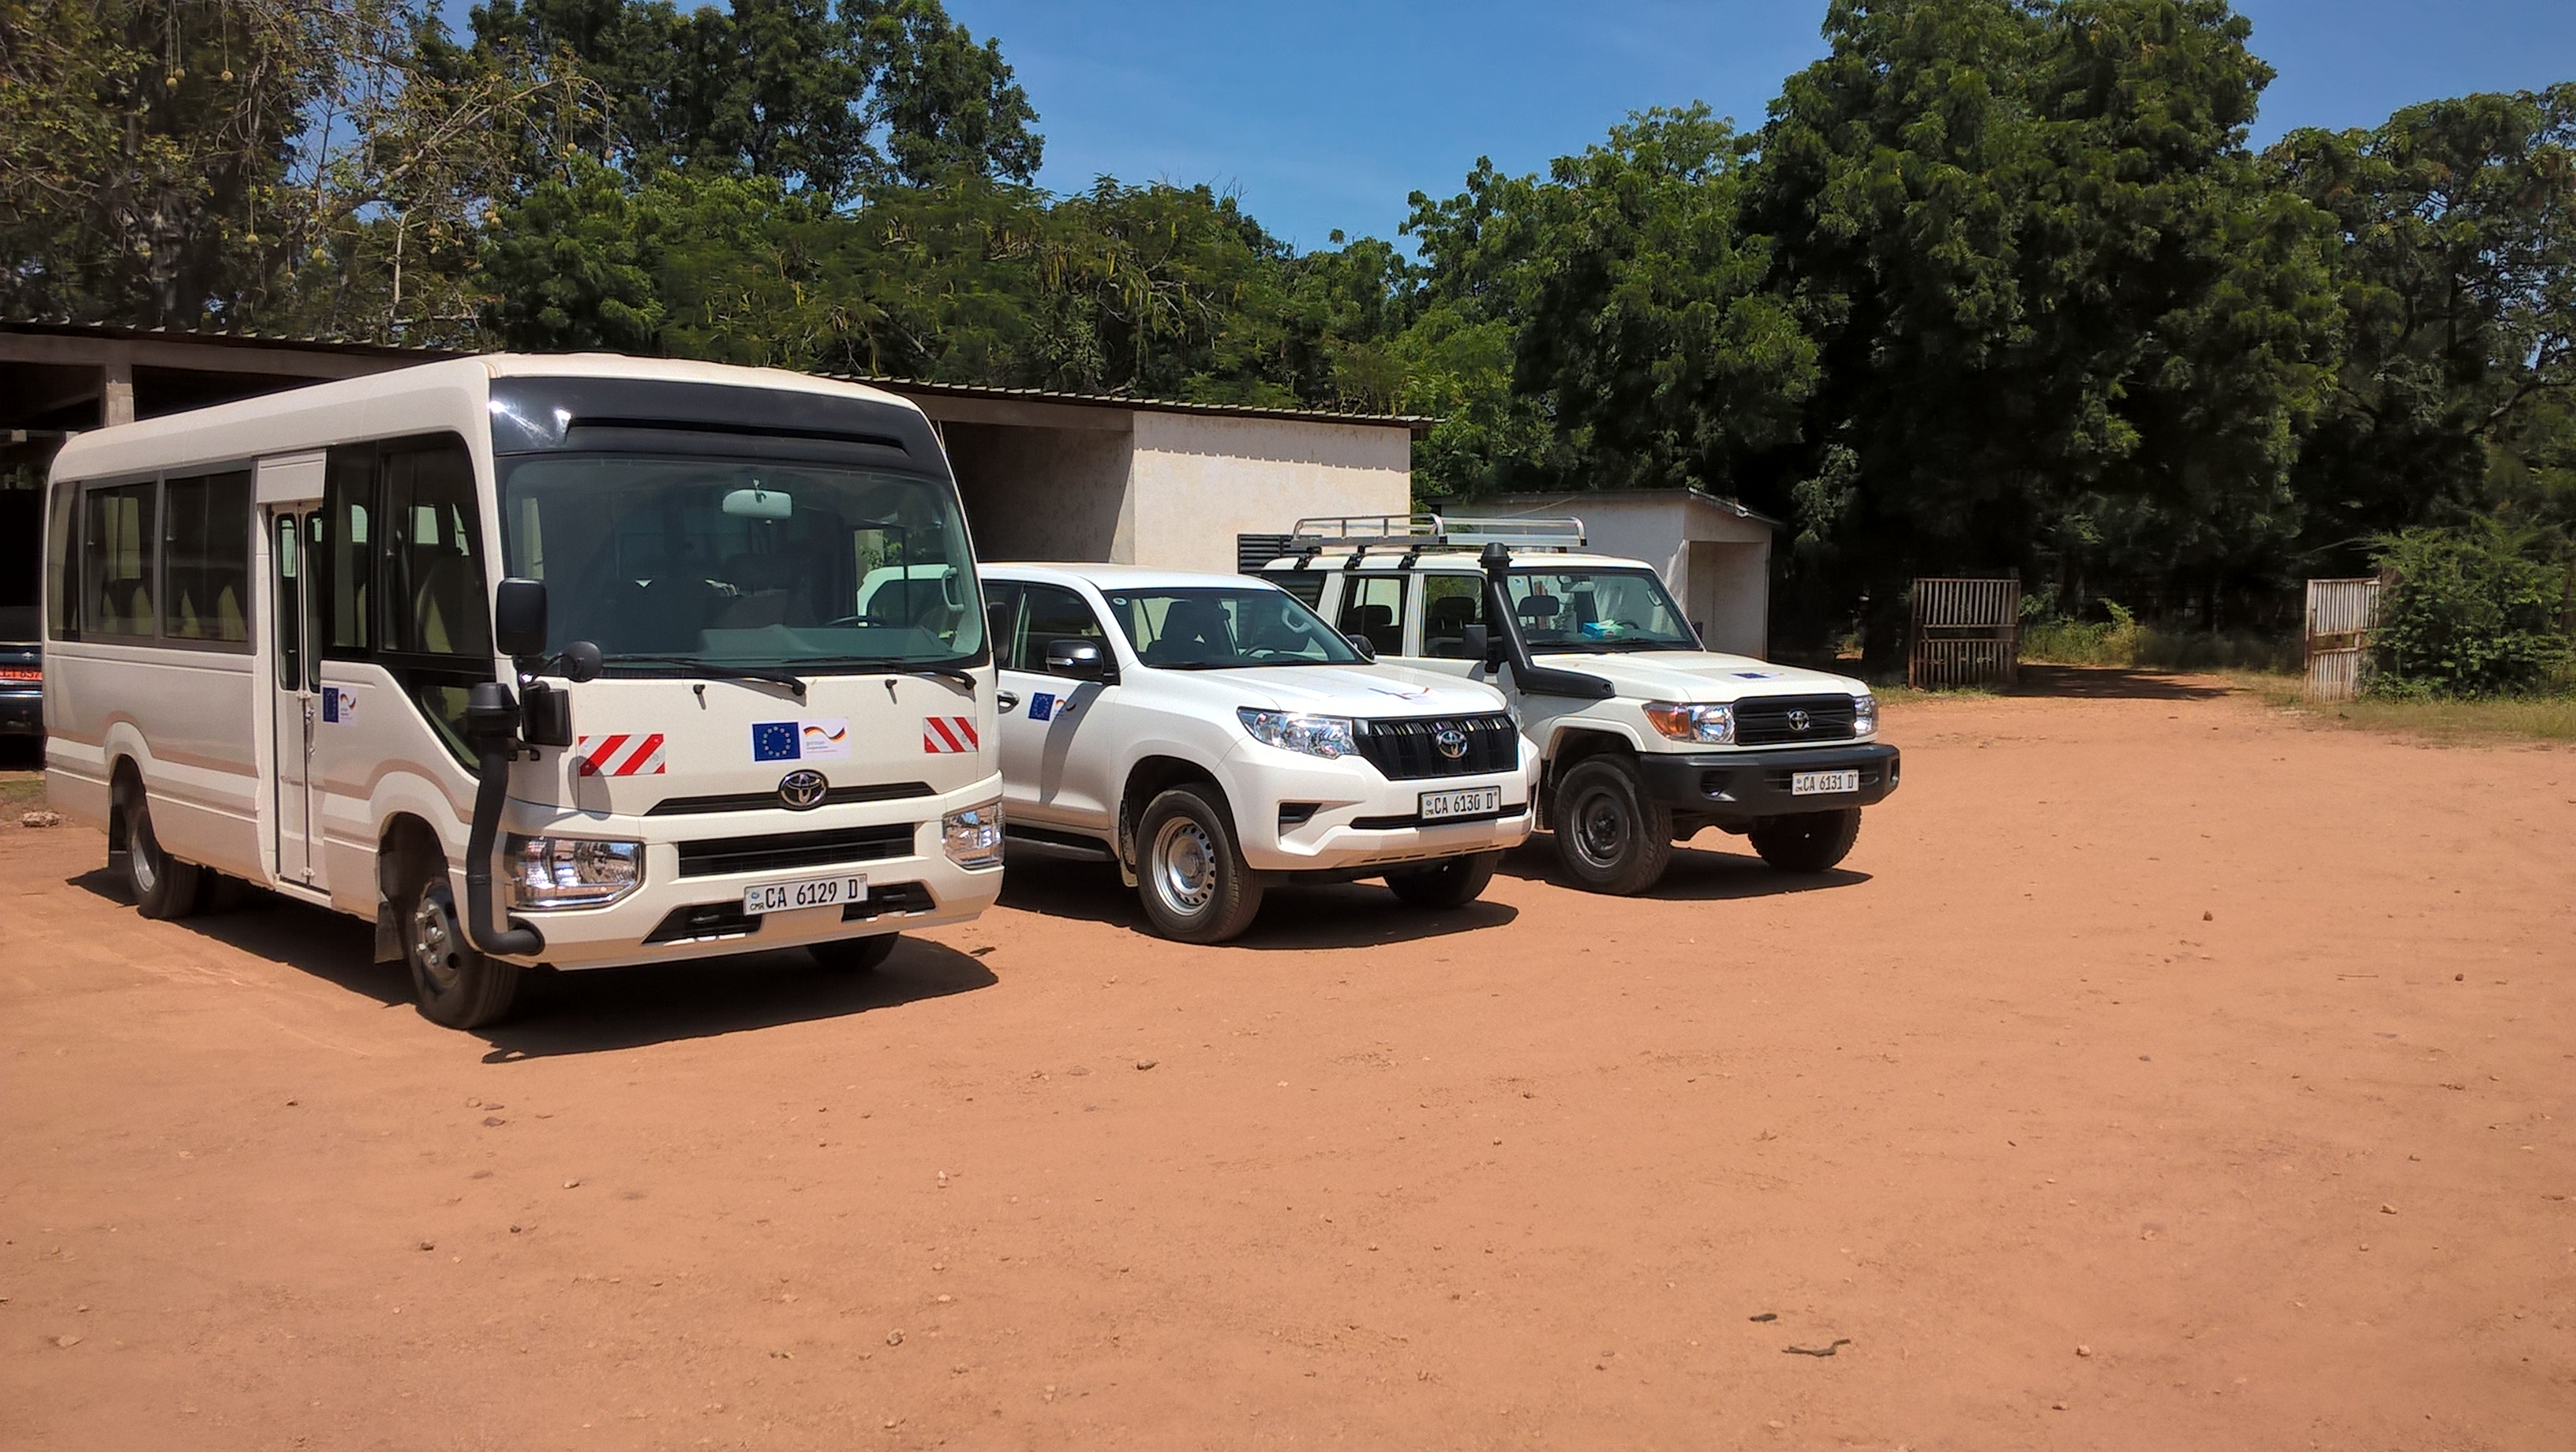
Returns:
(1408, 748)
(779, 851)
(1773, 720)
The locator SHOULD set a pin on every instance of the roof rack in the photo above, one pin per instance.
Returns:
(1417, 532)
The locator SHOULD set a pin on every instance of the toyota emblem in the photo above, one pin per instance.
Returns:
(1800, 721)
(1451, 741)
(803, 791)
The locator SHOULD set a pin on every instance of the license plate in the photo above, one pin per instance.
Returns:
(1463, 802)
(1818, 783)
(811, 892)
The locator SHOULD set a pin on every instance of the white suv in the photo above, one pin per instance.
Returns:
(1210, 734)
(1647, 738)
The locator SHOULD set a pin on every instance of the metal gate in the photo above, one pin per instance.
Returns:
(1967, 632)
(2341, 616)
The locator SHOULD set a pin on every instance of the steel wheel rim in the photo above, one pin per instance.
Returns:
(1185, 866)
(434, 952)
(1600, 826)
(138, 850)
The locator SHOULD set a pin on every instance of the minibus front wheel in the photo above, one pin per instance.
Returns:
(163, 886)
(456, 986)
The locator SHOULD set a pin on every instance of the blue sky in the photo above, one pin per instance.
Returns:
(1324, 114)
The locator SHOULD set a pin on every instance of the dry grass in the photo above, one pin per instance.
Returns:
(2529, 718)
(20, 791)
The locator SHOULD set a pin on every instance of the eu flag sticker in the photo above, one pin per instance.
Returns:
(1041, 705)
(774, 741)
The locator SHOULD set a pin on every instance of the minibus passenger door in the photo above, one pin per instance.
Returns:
(296, 695)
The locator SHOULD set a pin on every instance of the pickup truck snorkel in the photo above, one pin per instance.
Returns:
(1510, 645)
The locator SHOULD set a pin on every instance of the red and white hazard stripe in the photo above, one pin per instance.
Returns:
(943, 734)
(624, 755)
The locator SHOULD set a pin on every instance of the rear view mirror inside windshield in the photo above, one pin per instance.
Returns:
(759, 503)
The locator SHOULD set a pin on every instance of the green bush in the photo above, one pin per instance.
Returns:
(2124, 640)
(2471, 611)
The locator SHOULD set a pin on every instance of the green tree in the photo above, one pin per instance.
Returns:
(2470, 611)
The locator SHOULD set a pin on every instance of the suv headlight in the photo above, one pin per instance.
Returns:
(571, 872)
(973, 837)
(1864, 716)
(1708, 725)
(1326, 736)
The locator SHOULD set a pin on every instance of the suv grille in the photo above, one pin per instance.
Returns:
(778, 851)
(1407, 749)
(1772, 720)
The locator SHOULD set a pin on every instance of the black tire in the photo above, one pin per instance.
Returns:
(1808, 841)
(854, 955)
(1610, 835)
(1451, 883)
(163, 886)
(1189, 872)
(456, 986)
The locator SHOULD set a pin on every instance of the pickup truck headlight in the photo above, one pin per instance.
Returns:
(1707, 725)
(1326, 736)
(571, 872)
(973, 837)
(1864, 716)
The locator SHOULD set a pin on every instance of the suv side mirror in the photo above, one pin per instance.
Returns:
(1079, 659)
(1478, 644)
(519, 617)
(1361, 643)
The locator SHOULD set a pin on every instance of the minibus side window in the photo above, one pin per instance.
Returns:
(116, 562)
(62, 563)
(432, 561)
(205, 560)
(347, 562)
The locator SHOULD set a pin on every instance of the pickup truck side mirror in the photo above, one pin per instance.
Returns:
(1478, 646)
(1362, 644)
(1079, 659)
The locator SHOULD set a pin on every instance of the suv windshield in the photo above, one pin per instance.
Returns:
(1223, 628)
(1597, 610)
(742, 563)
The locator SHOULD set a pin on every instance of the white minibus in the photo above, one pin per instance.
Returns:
(573, 661)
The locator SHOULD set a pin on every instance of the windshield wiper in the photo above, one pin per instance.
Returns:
(716, 672)
(958, 674)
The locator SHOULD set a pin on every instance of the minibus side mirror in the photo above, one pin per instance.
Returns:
(1361, 643)
(1478, 644)
(1078, 659)
(581, 662)
(519, 617)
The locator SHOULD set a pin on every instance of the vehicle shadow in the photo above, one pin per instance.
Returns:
(590, 1012)
(1706, 873)
(2116, 683)
(1293, 917)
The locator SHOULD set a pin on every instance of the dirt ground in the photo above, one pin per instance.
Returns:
(2162, 1072)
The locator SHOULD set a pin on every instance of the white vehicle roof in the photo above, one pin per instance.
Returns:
(1452, 557)
(1115, 577)
(349, 409)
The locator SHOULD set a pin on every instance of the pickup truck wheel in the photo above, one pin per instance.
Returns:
(854, 955)
(1807, 841)
(456, 986)
(1610, 835)
(1450, 884)
(1191, 876)
(163, 886)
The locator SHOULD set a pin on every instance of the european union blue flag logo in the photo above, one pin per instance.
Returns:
(774, 741)
(1041, 705)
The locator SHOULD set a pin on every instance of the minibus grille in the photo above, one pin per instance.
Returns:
(890, 791)
(1408, 748)
(778, 851)
(1775, 720)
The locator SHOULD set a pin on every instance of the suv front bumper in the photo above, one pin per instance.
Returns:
(1743, 785)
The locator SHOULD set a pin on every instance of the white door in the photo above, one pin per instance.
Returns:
(1045, 713)
(295, 692)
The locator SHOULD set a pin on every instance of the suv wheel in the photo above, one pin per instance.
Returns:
(1609, 834)
(1450, 884)
(163, 886)
(854, 955)
(456, 986)
(1808, 841)
(1189, 871)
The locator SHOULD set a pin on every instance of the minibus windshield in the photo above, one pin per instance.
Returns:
(665, 562)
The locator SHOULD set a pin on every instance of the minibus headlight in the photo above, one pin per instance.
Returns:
(973, 837)
(569, 872)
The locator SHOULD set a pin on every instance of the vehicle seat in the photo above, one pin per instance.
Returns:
(1194, 633)
(447, 609)
(1376, 624)
(1444, 629)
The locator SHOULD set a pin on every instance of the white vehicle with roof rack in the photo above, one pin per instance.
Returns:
(1211, 735)
(1646, 738)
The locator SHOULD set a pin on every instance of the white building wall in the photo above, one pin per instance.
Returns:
(1199, 481)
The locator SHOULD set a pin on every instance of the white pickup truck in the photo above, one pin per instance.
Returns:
(1210, 734)
(1647, 738)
